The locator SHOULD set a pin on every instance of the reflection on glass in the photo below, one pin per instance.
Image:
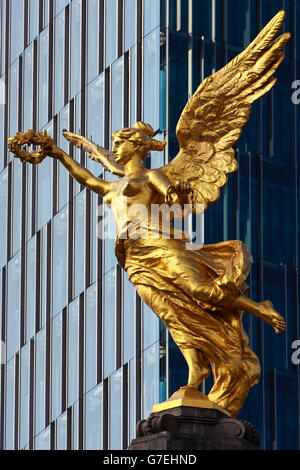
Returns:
(17, 178)
(44, 186)
(132, 395)
(30, 287)
(43, 77)
(3, 34)
(40, 357)
(151, 78)
(150, 327)
(16, 28)
(116, 411)
(33, 19)
(93, 416)
(151, 15)
(59, 38)
(132, 86)
(129, 23)
(79, 243)
(42, 441)
(129, 319)
(95, 113)
(10, 405)
(117, 95)
(75, 423)
(75, 50)
(93, 39)
(13, 99)
(110, 31)
(61, 432)
(43, 272)
(63, 177)
(59, 256)
(150, 379)
(56, 362)
(24, 394)
(28, 89)
(91, 337)
(3, 208)
(59, 5)
(13, 305)
(109, 322)
(73, 352)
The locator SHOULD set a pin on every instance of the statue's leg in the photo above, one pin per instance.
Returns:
(263, 310)
(198, 367)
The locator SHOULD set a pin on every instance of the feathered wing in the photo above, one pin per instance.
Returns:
(96, 152)
(213, 118)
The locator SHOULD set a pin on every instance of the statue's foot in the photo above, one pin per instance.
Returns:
(272, 317)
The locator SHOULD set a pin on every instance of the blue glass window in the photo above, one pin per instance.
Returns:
(76, 46)
(151, 78)
(93, 39)
(42, 441)
(79, 243)
(150, 379)
(61, 432)
(16, 235)
(150, 327)
(3, 209)
(95, 235)
(151, 15)
(73, 351)
(238, 23)
(75, 416)
(24, 394)
(10, 405)
(117, 95)
(63, 176)
(115, 424)
(13, 305)
(40, 358)
(30, 287)
(93, 423)
(2, 99)
(129, 23)
(109, 321)
(91, 326)
(44, 187)
(132, 404)
(33, 19)
(110, 31)
(59, 5)
(95, 114)
(43, 272)
(129, 319)
(13, 99)
(56, 370)
(16, 28)
(132, 91)
(59, 40)
(59, 253)
(28, 89)
(43, 77)
(3, 34)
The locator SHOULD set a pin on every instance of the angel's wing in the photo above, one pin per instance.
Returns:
(96, 152)
(213, 118)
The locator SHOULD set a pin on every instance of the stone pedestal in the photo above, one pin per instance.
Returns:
(194, 428)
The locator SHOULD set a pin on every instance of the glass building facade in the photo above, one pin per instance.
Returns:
(84, 358)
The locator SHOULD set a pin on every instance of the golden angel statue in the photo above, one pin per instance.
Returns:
(200, 295)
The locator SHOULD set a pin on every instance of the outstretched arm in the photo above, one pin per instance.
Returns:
(81, 174)
(48, 148)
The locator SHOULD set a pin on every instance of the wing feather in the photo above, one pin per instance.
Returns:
(213, 119)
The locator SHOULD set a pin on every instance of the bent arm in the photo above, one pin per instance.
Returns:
(161, 183)
(81, 174)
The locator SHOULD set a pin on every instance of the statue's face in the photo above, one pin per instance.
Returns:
(124, 150)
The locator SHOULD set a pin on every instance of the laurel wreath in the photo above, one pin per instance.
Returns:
(30, 137)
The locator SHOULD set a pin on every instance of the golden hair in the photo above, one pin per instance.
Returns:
(141, 133)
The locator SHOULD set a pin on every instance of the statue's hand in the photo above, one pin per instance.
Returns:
(31, 137)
